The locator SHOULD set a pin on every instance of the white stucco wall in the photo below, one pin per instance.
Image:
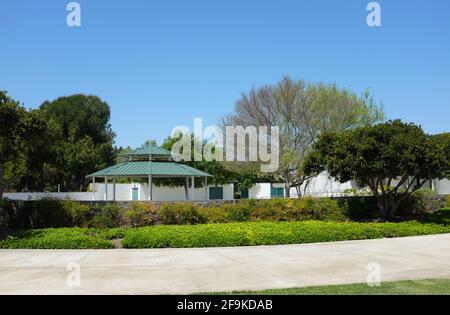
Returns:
(80, 196)
(325, 186)
(321, 186)
(442, 186)
(259, 191)
(124, 192)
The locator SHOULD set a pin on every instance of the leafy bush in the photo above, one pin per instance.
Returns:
(6, 210)
(359, 208)
(216, 214)
(421, 201)
(447, 201)
(139, 214)
(270, 233)
(46, 213)
(108, 217)
(181, 213)
(79, 212)
(239, 212)
(73, 238)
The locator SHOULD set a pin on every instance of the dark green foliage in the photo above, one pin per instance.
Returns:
(84, 142)
(393, 159)
(26, 142)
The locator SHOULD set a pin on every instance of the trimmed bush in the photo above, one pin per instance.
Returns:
(215, 214)
(139, 214)
(80, 213)
(270, 233)
(73, 238)
(421, 202)
(6, 212)
(181, 213)
(108, 217)
(49, 213)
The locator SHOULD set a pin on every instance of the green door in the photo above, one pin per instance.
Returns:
(244, 194)
(216, 193)
(277, 192)
(135, 195)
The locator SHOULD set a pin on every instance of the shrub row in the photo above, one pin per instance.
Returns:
(73, 238)
(271, 233)
(48, 213)
(220, 235)
(55, 214)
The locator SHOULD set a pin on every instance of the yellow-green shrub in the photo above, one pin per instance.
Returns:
(139, 214)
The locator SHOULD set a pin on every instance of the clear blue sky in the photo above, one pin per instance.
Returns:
(161, 63)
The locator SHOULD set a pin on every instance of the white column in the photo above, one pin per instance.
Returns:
(150, 188)
(93, 189)
(106, 188)
(206, 189)
(187, 188)
(114, 189)
(192, 188)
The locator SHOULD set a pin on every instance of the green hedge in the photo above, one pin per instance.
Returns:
(64, 238)
(230, 234)
(48, 213)
(271, 233)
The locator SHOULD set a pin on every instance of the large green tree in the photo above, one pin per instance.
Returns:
(26, 139)
(303, 111)
(85, 138)
(393, 159)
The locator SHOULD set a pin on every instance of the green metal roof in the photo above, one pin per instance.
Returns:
(145, 168)
(150, 150)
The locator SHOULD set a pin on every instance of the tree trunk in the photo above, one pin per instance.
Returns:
(299, 191)
(388, 205)
(1, 182)
(287, 189)
(383, 206)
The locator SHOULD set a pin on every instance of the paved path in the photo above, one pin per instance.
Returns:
(178, 271)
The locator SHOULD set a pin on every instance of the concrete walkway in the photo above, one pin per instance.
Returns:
(179, 271)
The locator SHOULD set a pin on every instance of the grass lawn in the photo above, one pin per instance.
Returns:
(220, 235)
(416, 287)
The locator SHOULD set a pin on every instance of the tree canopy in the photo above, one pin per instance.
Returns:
(393, 159)
(85, 140)
(26, 139)
(303, 111)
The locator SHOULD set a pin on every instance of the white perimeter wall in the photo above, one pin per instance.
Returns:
(321, 186)
(442, 186)
(124, 193)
